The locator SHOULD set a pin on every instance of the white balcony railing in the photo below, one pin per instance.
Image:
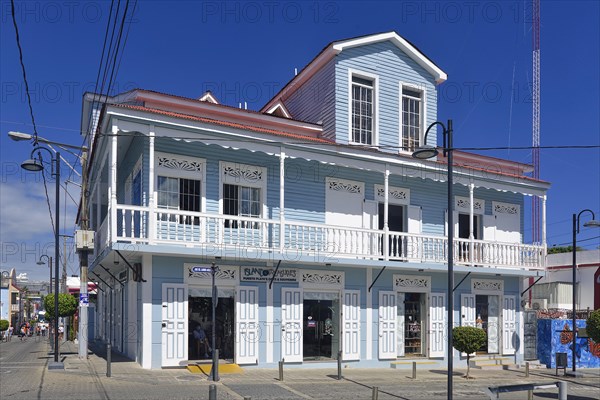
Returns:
(137, 224)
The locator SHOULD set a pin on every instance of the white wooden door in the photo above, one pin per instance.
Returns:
(387, 325)
(400, 323)
(467, 312)
(174, 324)
(437, 324)
(351, 325)
(291, 324)
(509, 325)
(467, 309)
(493, 325)
(247, 332)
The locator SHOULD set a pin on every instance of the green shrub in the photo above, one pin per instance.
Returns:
(468, 339)
(3, 325)
(67, 305)
(593, 326)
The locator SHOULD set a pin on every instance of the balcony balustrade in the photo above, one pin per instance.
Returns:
(142, 225)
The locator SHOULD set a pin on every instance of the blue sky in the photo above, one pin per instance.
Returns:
(246, 51)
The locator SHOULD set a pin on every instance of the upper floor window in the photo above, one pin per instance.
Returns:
(363, 107)
(241, 201)
(412, 118)
(179, 194)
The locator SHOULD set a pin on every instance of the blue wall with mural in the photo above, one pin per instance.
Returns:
(556, 336)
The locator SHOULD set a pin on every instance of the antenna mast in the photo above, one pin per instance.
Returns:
(535, 209)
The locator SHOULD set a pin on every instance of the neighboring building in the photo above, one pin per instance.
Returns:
(10, 298)
(320, 186)
(555, 290)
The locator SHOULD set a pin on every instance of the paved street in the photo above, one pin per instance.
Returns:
(24, 375)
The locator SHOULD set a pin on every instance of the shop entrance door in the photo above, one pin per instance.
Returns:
(487, 308)
(200, 325)
(320, 338)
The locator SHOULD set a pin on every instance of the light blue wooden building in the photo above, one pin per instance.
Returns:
(320, 186)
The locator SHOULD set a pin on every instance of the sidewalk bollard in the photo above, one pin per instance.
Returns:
(215, 366)
(247, 398)
(562, 390)
(414, 375)
(530, 395)
(280, 371)
(527, 369)
(339, 365)
(108, 355)
(375, 395)
(212, 392)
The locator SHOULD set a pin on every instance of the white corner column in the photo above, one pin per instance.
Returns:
(146, 317)
(112, 185)
(151, 195)
(281, 199)
(386, 200)
(471, 223)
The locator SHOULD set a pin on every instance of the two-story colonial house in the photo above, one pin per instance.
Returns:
(328, 236)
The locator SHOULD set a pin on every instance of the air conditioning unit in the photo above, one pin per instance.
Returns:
(539, 304)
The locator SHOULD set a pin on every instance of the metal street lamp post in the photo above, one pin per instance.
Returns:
(40, 262)
(83, 310)
(425, 152)
(36, 165)
(591, 223)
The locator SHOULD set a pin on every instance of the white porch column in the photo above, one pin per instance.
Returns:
(151, 179)
(146, 317)
(471, 223)
(112, 185)
(270, 328)
(386, 229)
(281, 199)
(369, 311)
(544, 243)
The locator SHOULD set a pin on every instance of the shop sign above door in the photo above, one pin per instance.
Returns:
(264, 274)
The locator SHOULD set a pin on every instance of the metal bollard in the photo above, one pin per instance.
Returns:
(215, 365)
(247, 398)
(375, 395)
(530, 395)
(108, 360)
(280, 371)
(527, 369)
(212, 392)
(339, 366)
(562, 390)
(414, 375)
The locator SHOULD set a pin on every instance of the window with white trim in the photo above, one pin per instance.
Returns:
(412, 118)
(363, 110)
(179, 194)
(243, 201)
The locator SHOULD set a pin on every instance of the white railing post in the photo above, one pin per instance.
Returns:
(112, 200)
(471, 224)
(281, 200)
(386, 228)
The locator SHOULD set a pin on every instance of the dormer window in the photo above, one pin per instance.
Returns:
(412, 118)
(363, 110)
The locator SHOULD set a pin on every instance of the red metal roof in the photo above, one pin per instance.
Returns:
(226, 123)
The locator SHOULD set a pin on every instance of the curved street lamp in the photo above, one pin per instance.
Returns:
(40, 262)
(425, 152)
(591, 223)
(35, 165)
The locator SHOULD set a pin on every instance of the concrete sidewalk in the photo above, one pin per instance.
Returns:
(317, 383)
(24, 375)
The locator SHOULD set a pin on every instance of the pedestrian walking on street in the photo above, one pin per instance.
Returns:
(9, 333)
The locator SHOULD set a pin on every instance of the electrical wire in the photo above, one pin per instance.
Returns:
(239, 139)
(47, 197)
(578, 241)
(14, 20)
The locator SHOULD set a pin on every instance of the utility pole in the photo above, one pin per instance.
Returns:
(83, 259)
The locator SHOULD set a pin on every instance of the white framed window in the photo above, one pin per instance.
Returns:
(180, 185)
(412, 117)
(363, 108)
(242, 192)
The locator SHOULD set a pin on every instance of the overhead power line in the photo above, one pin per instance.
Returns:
(14, 20)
